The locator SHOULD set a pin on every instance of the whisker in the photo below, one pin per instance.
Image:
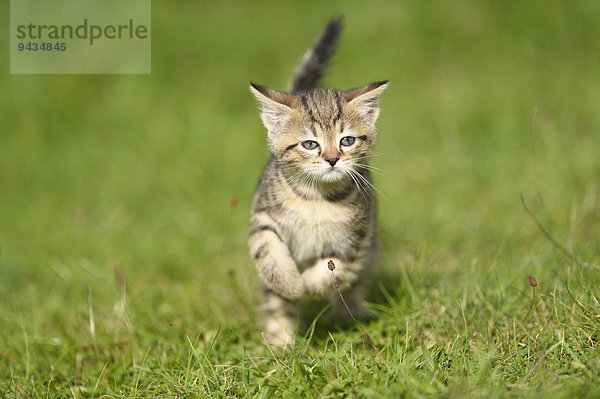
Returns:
(366, 166)
(358, 186)
(367, 183)
(373, 155)
(369, 168)
(362, 184)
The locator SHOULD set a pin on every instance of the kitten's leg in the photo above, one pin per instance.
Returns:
(272, 258)
(318, 279)
(281, 319)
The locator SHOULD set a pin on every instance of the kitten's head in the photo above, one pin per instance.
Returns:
(321, 135)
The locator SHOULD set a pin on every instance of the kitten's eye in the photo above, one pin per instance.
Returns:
(310, 145)
(347, 141)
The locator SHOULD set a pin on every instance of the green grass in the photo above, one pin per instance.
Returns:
(123, 263)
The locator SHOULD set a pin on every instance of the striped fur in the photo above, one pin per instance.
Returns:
(315, 200)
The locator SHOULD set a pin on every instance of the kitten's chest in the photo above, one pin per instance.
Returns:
(314, 229)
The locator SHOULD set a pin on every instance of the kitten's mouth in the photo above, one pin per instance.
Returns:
(332, 174)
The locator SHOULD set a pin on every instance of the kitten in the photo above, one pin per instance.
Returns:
(315, 200)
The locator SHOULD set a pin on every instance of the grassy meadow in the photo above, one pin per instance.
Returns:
(124, 203)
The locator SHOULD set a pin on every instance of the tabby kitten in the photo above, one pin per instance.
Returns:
(315, 200)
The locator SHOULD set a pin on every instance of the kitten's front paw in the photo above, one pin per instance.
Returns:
(283, 278)
(292, 288)
(319, 282)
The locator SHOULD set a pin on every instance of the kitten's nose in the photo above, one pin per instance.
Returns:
(332, 160)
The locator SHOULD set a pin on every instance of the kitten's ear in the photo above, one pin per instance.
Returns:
(276, 106)
(365, 99)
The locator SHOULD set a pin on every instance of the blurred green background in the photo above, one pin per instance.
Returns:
(129, 196)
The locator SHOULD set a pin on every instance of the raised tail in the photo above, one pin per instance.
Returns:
(316, 60)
